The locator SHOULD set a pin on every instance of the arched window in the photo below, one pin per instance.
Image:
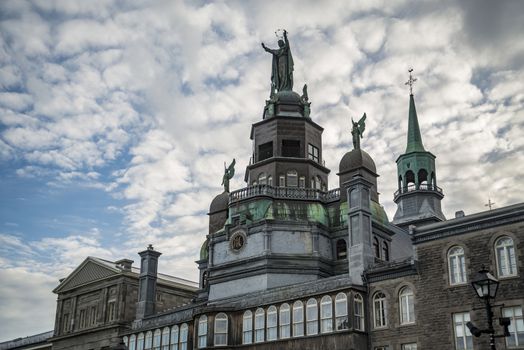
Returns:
(358, 307)
(302, 182)
(174, 338)
(342, 250)
(285, 321)
(385, 251)
(341, 312)
(221, 329)
(270, 180)
(247, 327)
(282, 181)
(379, 310)
(149, 340)
(259, 325)
(165, 338)
(407, 308)
(410, 180)
(140, 341)
(272, 323)
(400, 183)
(506, 261)
(423, 179)
(376, 247)
(202, 332)
(262, 179)
(156, 339)
(184, 330)
(292, 178)
(298, 319)
(456, 266)
(125, 339)
(326, 314)
(132, 342)
(312, 317)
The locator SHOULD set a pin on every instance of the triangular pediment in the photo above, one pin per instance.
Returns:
(90, 270)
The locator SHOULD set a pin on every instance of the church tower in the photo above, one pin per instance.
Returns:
(418, 196)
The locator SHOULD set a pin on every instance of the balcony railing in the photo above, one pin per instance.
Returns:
(421, 187)
(284, 193)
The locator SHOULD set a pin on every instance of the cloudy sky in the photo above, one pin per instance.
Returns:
(116, 117)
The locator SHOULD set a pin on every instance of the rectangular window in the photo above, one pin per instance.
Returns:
(516, 328)
(291, 148)
(111, 311)
(82, 319)
(65, 323)
(93, 316)
(265, 151)
(411, 346)
(282, 181)
(463, 337)
(312, 152)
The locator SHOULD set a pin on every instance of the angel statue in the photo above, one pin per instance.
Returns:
(228, 174)
(358, 130)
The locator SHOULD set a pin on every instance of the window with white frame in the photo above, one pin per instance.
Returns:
(132, 342)
(341, 312)
(463, 337)
(281, 181)
(292, 178)
(174, 338)
(358, 309)
(259, 325)
(247, 327)
(302, 181)
(157, 336)
(326, 314)
(410, 346)
(506, 261)
(270, 180)
(379, 310)
(165, 338)
(272, 323)
(311, 317)
(148, 343)
(285, 321)
(202, 332)
(221, 329)
(407, 308)
(125, 339)
(312, 152)
(516, 327)
(298, 319)
(140, 341)
(184, 330)
(262, 180)
(457, 266)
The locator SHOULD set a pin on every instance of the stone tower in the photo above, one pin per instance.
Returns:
(418, 196)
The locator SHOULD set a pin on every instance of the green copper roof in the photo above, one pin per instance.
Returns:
(414, 138)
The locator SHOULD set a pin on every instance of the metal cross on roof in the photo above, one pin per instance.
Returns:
(411, 81)
(490, 204)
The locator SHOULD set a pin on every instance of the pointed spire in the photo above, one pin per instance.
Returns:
(414, 137)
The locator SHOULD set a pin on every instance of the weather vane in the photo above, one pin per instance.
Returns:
(411, 81)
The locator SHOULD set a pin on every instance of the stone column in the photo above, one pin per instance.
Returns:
(147, 283)
(360, 254)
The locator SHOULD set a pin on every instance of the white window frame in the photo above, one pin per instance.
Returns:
(202, 332)
(358, 312)
(148, 342)
(165, 338)
(271, 323)
(410, 346)
(312, 317)
(184, 334)
(292, 178)
(285, 321)
(298, 319)
(221, 329)
(260, 319)
(407, 305)
(461, 332)
(247, 327)
(132, 342)
(341, 312)
(516, 326)
(262, 179)
(380, 316)
(505, 251)
(140, 341)
(457, 266)
(326, 314)
(157, 337)
(173, 338)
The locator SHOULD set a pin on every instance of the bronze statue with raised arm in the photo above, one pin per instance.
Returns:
(282, 66)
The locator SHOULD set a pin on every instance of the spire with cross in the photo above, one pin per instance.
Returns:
(411, 81)
(489, 204)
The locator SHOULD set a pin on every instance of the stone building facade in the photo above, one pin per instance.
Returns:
(290, 264)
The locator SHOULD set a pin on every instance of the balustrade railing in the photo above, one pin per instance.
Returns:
(421, 187)
(284, 193)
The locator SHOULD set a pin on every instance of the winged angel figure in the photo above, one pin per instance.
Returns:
(228, 175)
(358, 130)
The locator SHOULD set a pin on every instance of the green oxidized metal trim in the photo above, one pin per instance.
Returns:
(204, 252)
(414, 136)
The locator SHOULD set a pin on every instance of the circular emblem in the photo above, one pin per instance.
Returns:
(237, 241)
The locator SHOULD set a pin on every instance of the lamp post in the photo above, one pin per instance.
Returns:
(486, 287)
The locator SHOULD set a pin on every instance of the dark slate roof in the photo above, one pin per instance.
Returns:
(27, 341)
(356, 158)
(219, 203)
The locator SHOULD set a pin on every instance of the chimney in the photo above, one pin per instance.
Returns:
(124, 264)
(147, 282)
(459, 214)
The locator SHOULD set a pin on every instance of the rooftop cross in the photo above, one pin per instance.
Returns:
(411, 81)
(489, 204)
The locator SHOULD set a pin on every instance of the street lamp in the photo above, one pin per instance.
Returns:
(486, 287)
